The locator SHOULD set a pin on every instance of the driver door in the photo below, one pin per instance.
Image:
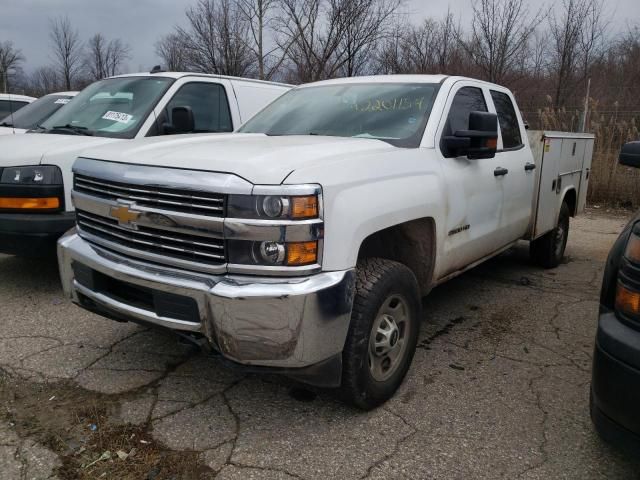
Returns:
(474, 193)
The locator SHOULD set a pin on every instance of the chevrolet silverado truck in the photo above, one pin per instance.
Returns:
(303, 243)
(35, 169)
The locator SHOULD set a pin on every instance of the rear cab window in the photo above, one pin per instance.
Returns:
(508, 120)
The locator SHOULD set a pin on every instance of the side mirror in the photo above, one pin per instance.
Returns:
(630, 154)
(182, 121)
(480, 141)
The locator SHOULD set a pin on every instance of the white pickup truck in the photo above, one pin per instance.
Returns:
(33, 114)
(303, 244)
(35, 169)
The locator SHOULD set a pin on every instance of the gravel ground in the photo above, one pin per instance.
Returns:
(498, 388)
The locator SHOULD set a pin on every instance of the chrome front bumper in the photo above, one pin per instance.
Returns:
(259, 321)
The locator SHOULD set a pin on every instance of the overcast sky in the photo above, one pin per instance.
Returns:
(141, 22)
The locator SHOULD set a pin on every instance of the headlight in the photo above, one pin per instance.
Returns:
(274, 207)
(37, 175)
(37, 188)
(627, 300)
(277, 228)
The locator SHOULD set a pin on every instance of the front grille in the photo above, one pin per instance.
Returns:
(166, 243)
(169, 199)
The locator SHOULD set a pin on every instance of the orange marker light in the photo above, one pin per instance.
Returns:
(633, 249)
(492, 143)
(627, 301)
(302, 253)
(304, 207)
(30, 203)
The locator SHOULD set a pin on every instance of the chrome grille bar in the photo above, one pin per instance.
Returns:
(191, 248)
(168, 199)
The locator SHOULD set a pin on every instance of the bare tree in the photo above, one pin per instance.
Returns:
(368, 23)
(500, 32)
(327, 38)
(44, 80)
(578, 36)
(105, 58)
(172, 52)
(67, 49)
(10, 57)
(217, 39)
(259, 17)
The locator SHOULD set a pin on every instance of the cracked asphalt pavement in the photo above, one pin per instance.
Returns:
(498, 388)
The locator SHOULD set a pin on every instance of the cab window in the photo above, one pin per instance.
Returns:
(508, 120)
(10, 106)
(209, 104)
(467, 100)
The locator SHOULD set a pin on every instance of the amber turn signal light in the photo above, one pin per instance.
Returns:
(627, 301)
(304, 207)
(47, 203)
(302, 253)
(632, 251)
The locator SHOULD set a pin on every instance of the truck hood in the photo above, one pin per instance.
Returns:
(35, 148)
(10, 130)
(257, 158)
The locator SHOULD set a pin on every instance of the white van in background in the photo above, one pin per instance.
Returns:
(34, 113)
(35, 168)
(12, 103)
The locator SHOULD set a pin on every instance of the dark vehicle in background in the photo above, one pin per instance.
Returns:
(615, 386)
(31, 115)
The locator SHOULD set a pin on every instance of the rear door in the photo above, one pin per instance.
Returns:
(513, 155)
(474, 191)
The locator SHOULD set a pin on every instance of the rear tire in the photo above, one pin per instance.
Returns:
(548, 250)
(382, 334)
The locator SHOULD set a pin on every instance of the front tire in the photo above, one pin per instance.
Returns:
(383, 332)
(548, 250)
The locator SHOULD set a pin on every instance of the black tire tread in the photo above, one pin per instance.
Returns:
(370, 272)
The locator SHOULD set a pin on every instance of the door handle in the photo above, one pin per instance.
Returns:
(529, 166)
(499, 172)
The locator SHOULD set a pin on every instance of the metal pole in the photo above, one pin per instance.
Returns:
(586, 106)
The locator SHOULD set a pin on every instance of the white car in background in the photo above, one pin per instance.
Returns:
(12, 103)
(34, 113)
(35, 168)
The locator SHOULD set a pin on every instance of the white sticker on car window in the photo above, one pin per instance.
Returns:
(117, 117)
(62, 101)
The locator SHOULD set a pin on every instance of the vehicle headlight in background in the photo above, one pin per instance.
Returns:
(37, 175)
(627, 300)
(37, 187)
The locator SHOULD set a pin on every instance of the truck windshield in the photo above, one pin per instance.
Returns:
(30, 116)
(115, 107)
(392, 112)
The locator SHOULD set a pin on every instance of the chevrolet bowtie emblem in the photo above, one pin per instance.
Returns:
(124, 214)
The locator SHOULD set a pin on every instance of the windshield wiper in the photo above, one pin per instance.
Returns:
(6, 124)
(76, 129)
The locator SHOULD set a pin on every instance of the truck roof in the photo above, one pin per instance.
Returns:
(16, 98)
(397, 79)
(177, 75)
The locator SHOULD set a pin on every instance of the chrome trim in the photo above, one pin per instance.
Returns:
(196, 180)
(151, 257)
(82, 182)
(186, 223)
(270, 270)
(278, 322)
(270, 230)
(287, 190)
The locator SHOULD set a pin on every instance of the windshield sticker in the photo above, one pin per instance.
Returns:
(381, 105)
(62, 101)
(117, 117)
